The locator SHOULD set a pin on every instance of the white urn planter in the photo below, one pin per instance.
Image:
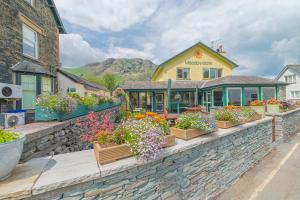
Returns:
(10, 154)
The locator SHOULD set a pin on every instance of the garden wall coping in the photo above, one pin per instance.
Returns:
(81, 167)
(284, 113)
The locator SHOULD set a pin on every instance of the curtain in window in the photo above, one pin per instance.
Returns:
(28, 83)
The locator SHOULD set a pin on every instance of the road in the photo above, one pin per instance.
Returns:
(276, 177)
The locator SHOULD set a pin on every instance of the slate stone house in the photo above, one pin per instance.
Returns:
(29, 48)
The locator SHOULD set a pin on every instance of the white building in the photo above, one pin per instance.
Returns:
(291, 74)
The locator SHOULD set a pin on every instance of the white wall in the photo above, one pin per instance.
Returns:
(64, 83)
(292, 86)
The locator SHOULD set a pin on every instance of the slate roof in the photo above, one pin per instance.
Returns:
(77, 79)
(294, 68)
(58, 21)
(227, 80)
(26, 66)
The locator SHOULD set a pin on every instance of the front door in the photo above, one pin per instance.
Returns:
(160, 101)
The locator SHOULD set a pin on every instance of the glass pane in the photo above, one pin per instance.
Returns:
(28, 34)
(220, 72)
(28, 83)
(29, 49)
(218, 98)
(268, 93)
(251, 94)
(186, 73)
(205, 73)
(143, 100)
(46, 85)
(234, 96)
(213, 73)
(134, 100)
(179, 73)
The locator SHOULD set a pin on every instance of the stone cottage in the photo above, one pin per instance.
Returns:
(29, 49)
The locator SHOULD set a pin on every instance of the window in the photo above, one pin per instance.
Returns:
(251, 94)
(268, 93)
(30, 42)
(234, 96)
(183, 73)
(28, 83)
(31, 2)
(218, 97)
(46, 85)
(295, 94)
(290, 78)
(70, 90)
(212, 73)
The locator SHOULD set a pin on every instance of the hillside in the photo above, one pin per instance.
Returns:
(134, 69)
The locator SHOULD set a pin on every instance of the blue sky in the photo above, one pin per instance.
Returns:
(260, 36)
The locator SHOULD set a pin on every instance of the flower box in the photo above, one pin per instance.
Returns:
(273, 108)
(103, 106)
(256, 117)
(187, 134)
(79, 111)
(260, 110)
(111, 153)
(226, 124)
(42, 115)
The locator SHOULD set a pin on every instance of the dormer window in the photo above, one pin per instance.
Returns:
(30, 42)
(290, 78)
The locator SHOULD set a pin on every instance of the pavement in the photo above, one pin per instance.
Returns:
(276, 177)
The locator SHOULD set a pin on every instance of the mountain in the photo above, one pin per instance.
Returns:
(134, 69)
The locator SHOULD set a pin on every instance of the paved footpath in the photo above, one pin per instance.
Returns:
(276, 177)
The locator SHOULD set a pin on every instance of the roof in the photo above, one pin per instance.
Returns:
(224, 81)
(294, 68)
(241, 80)
(27, 66)
(58, 21)
(205, 47)
(77, 79)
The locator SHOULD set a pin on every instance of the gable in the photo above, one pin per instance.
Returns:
(197, 56)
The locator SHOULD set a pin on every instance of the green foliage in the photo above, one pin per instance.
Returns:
(194, 120)
(75, 96)
(89, 101)
(247, 113)
(232, 115)
(6, 136)
(110, 81)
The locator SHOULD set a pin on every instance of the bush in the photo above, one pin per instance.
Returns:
(194, 120)
(89, 101)
(6, 136)
(232, 115)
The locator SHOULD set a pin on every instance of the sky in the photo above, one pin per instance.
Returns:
(261, 36)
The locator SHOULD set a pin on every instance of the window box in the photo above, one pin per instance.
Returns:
(187, 134)
(227, 124)
(110, 153)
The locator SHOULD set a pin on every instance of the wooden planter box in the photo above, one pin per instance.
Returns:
(226, 124)
(260, 110)
(273, 108)
(257, 117)
(187, 134)
(108, 154)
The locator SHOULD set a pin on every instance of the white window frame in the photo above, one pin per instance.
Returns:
(35, 43)
(210, 73)
(183, 71)
(293, 94)
(227, 94)
(290, 78)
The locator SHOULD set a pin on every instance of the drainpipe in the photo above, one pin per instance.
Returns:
(169, 96)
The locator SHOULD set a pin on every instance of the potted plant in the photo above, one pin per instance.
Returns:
(249, 114)
(190, 125)
(287, 105)
(141, 135)
(273, 106)
(228, 117)
(259, 107)
(11, 147)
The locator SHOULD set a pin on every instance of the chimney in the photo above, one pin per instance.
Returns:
(221, 51)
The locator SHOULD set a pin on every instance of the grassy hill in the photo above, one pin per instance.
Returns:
(129, 69)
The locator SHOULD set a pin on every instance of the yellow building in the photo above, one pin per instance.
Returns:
(196, 63)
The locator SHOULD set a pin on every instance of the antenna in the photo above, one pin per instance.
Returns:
(214, 43)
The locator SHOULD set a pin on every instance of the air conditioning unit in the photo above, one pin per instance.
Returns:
(9, 120)
(10, 91)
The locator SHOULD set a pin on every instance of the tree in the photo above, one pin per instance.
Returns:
(110, 81)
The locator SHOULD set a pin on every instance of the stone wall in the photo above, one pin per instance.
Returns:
(286, 124)
(54, 137)
(196, 169)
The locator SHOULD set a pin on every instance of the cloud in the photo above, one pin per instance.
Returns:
(287, 49)
(75, 51)
(106, 15)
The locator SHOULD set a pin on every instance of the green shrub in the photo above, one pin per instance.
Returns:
(194, 120)
(6, 136)
(89, 101)
(231, 115)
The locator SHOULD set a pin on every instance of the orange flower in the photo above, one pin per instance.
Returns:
(273, 101)
(151, 114)
(232, 107)
(256, 103)
(140, 116)
(100, 133)
(157, 118)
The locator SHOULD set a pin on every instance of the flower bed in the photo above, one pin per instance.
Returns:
(143, 135)
(63, 107)
(192, 124)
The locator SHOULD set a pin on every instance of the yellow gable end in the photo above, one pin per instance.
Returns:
(195, 59)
